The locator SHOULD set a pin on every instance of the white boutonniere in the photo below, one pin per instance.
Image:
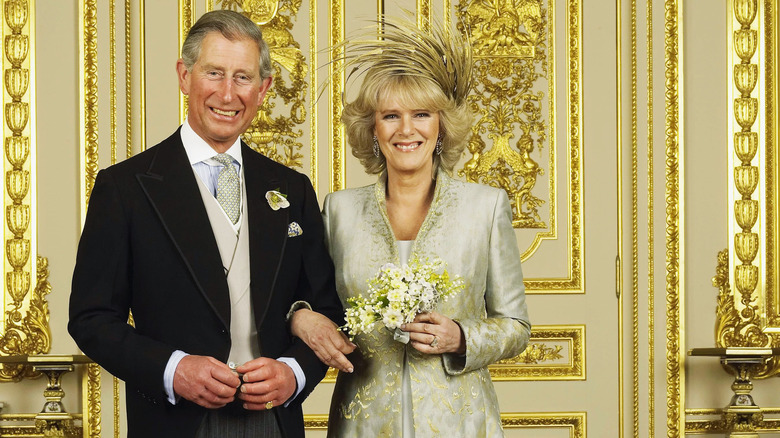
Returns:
(276, 199)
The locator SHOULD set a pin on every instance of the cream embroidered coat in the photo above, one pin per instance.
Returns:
(469, 227)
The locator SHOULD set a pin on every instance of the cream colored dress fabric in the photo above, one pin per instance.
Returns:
(469, 227)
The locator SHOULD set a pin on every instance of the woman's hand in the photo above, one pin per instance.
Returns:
(322, 335)
(434, 333)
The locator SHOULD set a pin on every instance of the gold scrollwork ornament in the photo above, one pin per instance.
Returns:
(29, 333)
(508, 38)
(739, 328)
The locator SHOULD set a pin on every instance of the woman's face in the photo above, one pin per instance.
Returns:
(407, 137)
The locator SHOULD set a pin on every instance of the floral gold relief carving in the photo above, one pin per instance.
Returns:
(510, 49)
(27, 333)
(538, 353)
(512, 145)
(276, 130)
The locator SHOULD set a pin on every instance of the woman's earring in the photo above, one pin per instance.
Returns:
(376, 147)
(438, 145)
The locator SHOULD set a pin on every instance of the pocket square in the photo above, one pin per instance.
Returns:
(294, 229)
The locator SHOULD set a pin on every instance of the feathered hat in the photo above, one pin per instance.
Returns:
(400, 47)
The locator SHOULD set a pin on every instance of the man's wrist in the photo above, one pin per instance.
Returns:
(296, 306)
(170, 373)
(300, 378)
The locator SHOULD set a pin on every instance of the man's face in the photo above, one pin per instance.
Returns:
(224, 89)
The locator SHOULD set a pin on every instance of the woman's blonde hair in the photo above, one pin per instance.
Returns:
(412, 92)
(422, 69)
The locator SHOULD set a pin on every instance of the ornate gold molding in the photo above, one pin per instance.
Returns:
(186, 20)
(112, 74)
(128, 82)
(24, 323)
(91, 401)
(575, 422)
(772, 159)
(337, 140)
(573, 283)
(717, 425)
(142, 73)
(315, 422)
(89, 98)
(634, 219)
(650, 228)
(424, 14)
(313, 174)
(674, 219)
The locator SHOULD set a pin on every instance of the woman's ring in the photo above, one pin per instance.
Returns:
(434, 342)
(269, 405)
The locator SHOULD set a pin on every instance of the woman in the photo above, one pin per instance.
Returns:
(409, 124)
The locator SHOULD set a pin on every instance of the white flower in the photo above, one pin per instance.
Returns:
(396, 295)
(427, 295)
(399, 285)
(393, 318)
(415, 289)
(276, 200)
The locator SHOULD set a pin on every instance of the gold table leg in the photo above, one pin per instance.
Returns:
(53, 420)
(742, 415)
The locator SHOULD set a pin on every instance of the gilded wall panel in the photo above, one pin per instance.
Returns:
(24, 322)
(553, 353)
(513, 143)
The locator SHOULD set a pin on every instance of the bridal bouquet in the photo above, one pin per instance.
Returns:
(398, 293)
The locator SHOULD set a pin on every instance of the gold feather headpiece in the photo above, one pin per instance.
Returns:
(440, 55)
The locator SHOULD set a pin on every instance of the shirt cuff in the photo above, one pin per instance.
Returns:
(170, 371)
(300, 378)
(298, 305)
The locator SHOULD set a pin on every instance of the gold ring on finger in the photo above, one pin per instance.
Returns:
(434, 342)
(269, 405)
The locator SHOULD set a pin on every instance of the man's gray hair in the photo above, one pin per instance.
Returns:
(233, 26)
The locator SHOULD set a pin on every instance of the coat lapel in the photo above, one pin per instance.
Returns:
(172, 190)
(267, 228)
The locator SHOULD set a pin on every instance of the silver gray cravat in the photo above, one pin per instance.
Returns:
(228, 187)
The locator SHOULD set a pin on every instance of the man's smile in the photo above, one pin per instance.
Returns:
(224, 112)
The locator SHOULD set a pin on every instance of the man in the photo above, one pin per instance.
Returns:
(211, 246)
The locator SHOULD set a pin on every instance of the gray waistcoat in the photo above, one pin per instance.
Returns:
(234, 251)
